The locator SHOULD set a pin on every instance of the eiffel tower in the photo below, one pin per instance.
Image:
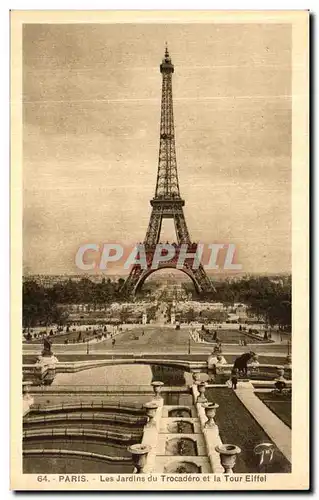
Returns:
(167, 202)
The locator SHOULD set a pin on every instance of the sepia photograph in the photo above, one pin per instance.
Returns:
(159, 250)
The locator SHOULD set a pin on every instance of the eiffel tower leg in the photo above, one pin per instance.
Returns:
(203, 280)
(154, 227)
(151, 238)
(181, 227)
(129, 286)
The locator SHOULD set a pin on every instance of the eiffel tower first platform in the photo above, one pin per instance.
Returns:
(167, 202)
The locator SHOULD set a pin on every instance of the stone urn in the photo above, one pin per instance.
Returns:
(211, 375)
(288, 360)
(254, 364)
(201, 389)
(228, 455)
(151, 408)
(196, 377)
(139, 455)
(26, 386)
(280, 382)
(210, 412)
(157, 386)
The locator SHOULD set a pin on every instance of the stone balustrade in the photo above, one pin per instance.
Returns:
(211, 435)
(150, 436)
(195, 367)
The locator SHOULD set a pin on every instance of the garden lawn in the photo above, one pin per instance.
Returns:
(280, 405)
(237, 426)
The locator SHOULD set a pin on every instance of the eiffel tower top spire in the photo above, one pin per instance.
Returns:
(167, 186)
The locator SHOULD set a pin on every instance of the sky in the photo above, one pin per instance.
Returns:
(91, 117)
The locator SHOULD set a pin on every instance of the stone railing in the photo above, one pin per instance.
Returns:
(27, 400)
(78, 432)
(42, 375)
(211, 435)
(261, 368)
(93, 405)
(74, 453)
(150, 436)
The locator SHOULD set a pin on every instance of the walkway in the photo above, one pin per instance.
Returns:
(278, 432)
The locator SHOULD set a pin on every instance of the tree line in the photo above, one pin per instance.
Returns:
(267, 299)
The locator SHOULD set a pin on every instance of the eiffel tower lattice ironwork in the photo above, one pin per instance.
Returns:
(167, 202)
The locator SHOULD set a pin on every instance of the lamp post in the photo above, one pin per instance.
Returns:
(87, 347)
(189, 343)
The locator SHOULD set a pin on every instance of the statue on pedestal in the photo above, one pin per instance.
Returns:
(47, 357)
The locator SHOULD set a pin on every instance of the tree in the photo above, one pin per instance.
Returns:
(39, 306)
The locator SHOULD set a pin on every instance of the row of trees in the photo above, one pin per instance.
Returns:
(86, 291)
(39, 307)
(202, 316)
(42, 306)
(267, 299)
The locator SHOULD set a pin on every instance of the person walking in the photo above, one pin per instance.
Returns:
(234, 379)
(113, 342)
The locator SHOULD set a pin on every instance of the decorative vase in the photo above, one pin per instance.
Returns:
(211, 375)
(196, 377)
(210, 412)
(26, 391)
(280, 384)
(228, 455)
(139, 455)
(201, 389)
(157, 386)
(151, 408)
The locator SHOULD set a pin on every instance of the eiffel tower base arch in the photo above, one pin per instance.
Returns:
(138, 276)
